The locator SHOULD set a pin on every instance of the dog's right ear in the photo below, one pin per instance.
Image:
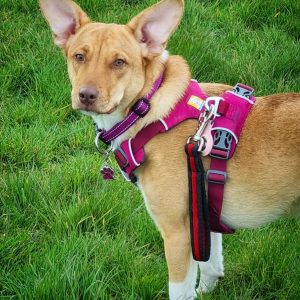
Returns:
(64, 17)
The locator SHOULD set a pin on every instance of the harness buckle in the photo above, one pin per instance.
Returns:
(222, 144)
(243, 90)
(141, 107)
(215, 176)
(121, 158)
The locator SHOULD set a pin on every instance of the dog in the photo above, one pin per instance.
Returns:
(111, 66)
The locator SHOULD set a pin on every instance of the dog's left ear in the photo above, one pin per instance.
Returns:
(153, 27)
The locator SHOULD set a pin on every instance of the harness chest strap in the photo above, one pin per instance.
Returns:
(130, 155)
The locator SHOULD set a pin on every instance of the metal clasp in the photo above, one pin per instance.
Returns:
(216, 102)
(204, 118)
(207, 116)
(106, 152)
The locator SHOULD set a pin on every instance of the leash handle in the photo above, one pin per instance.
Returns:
(198, 206)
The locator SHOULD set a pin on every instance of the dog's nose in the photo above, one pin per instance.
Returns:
(88, 95)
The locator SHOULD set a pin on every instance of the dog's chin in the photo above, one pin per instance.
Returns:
(91, 111)
(96, 112)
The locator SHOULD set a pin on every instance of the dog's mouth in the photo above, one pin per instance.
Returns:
(92, 111)
(95, 109)
(98, 107)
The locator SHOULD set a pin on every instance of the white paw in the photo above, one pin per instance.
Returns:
(208, 282)
(179, 291)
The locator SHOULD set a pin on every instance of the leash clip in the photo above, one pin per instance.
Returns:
(201, 137)
(204, 119)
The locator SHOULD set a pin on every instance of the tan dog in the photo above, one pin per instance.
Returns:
(111, 66)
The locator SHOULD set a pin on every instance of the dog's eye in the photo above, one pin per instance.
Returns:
(80, 57)
(119, 63)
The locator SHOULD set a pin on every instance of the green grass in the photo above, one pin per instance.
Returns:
(66, 234)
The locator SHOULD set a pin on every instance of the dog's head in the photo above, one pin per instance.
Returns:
(107, 63)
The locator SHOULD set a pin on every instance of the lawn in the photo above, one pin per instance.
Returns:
(66, 234)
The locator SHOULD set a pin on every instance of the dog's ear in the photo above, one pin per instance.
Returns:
(64, 17)
(153, 27)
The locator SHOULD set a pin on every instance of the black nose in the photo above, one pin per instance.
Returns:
(88, 95)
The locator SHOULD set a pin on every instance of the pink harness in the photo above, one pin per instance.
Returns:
(130, 155)
(232, 111)
(219, 137)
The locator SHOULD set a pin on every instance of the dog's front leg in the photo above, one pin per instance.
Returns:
(213, 269)
(170, 215)
(182, 268)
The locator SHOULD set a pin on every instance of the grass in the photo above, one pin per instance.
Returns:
(66, 234)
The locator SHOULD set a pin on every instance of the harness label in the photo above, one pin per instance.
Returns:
(196, 102)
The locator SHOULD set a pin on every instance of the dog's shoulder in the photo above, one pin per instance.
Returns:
(214, 89)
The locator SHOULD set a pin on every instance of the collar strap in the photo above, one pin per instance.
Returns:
(137, 111)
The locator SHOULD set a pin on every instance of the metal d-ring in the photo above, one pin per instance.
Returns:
(106, 152)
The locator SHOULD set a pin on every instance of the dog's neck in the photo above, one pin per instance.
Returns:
(176, 79)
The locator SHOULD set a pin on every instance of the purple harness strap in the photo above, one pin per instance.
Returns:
(138, 110)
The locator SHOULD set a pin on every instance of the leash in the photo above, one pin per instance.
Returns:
(199, 217)
(222, 120)
(200, 143)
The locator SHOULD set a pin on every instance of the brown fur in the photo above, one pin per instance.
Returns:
(264, 173)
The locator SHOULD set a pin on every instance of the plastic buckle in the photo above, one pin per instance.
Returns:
(243, 90)
(121, 158)
(215, 176)
(222, 144)
(141, 107)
